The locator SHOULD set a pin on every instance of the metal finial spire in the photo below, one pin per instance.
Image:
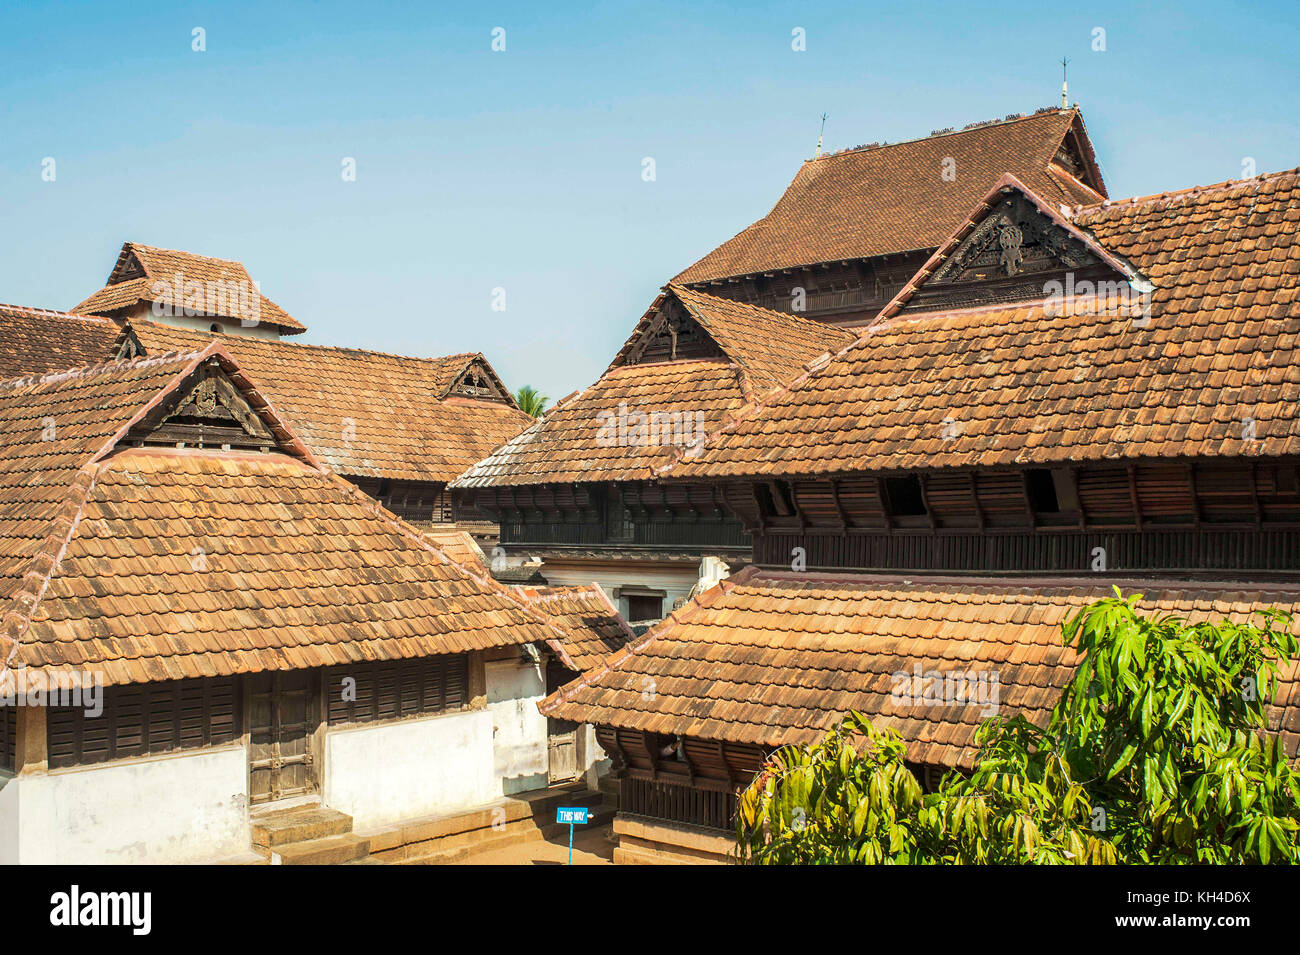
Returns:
(1065, 89)
(820, 135)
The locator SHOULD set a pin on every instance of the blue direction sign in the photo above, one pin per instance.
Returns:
(571, 816)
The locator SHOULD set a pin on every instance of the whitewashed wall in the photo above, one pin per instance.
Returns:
(187, 807)
(382, 774)
(514, 689)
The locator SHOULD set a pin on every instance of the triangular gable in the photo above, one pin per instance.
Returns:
(1010, 249)
(1074, 154)
(211, 406)
(127, 267)
(478, 380)
(668, 332)
(127, 345)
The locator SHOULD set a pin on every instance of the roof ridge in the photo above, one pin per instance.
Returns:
(44, 563)
(1009, 119)
(216, 336)
(1227, 184)
(185, 252)
(39, 310)
(89, 371)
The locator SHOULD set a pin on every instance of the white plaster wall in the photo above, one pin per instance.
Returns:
(8, 819)
(676, 581)
(203, 323)
(519, 745)
(189, 807)
(382, 774)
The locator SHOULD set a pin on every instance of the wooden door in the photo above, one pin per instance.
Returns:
(283, 714)
(563, 762)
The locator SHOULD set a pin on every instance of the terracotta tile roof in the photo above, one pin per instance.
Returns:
(139, 267)
(586, 612)
(51, 427)
(880, 200)
(154, 564)
(762, 348)
(460, 547)
(1013, 385)
(34, 341)
(365, 413)
(771, 658)
(770, 347)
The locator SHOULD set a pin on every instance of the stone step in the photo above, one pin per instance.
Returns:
(330, 850)
(284, 826)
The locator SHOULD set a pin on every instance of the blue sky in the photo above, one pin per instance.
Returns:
(522, 169)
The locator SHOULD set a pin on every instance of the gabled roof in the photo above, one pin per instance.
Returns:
(144, 273)
(1022, 383)
(34, 341)
(366, 413)
(771, 658)
(592, 435)
(148, 563)
(881, 200)
(1063, 234)
(586, 612)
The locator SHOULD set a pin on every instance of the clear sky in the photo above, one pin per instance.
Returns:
(522, 169)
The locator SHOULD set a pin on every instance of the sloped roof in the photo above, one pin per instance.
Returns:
(1019, 384)
(144, 273)
(880, 200)
(770, 658)
(460, 547)
(366, 413)
(588, 614)
(156, 563)
(574, 441)
(771, 347)
(34, 341)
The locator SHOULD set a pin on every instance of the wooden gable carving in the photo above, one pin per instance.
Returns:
(210, 413)
(127, 267)
(477, 381)
(128, 346)
(1008, 257)
(672, 335)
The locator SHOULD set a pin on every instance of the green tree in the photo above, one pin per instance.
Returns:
(1157, 751)
(530, 402)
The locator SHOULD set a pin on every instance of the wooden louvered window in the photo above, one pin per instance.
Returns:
(144, 720)
(8, 737)
(398, 688)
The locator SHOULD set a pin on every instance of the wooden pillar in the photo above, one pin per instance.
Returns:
(30, 752)
(477, 680)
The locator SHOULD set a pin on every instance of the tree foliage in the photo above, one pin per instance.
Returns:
(530, 401)
(1157, 751)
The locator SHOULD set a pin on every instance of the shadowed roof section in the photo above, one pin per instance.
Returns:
(770, 658)
(902, 197)
(593, 436)
(1018, 384)
(150, 563)
(35, 341)
(144, 273)
(586, 612)
(366, 413)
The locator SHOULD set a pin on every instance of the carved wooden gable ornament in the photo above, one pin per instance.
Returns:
(1013, 249)
(671, 334)
(210, 413)
(1015, 238)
